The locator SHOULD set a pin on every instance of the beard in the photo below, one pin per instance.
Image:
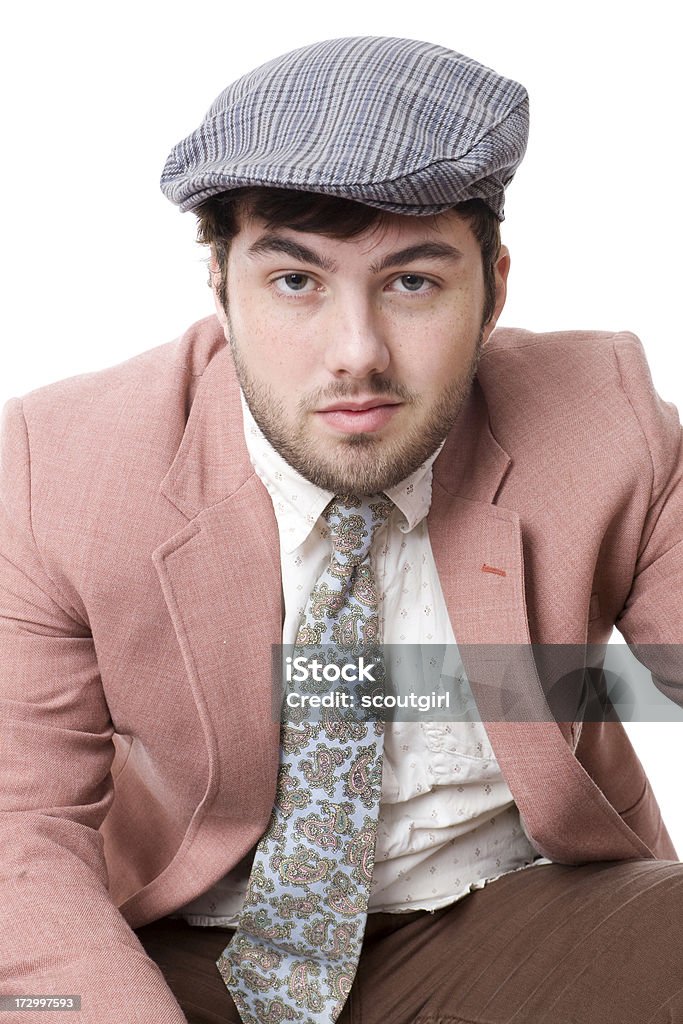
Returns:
(363, 463)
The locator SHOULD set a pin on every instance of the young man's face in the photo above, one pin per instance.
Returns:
(356, 356)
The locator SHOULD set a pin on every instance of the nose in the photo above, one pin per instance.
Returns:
(356, 344)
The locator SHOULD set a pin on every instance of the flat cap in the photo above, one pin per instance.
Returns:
(405, 126)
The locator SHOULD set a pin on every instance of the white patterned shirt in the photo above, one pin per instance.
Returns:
(447, 820)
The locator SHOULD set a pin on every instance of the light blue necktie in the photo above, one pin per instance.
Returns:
(295, 952)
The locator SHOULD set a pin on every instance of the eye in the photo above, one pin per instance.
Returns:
(412, 283)
(294, 283)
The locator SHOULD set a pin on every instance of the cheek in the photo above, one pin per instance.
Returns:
(445, 365)
(263, 333)
(432, 352)
(271, 357)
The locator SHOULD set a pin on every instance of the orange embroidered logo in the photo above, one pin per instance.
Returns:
(492, 568)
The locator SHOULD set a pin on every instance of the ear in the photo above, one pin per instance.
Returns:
(214, 284)
(502, 270)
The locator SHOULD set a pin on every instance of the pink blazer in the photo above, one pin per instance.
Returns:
(140, 594)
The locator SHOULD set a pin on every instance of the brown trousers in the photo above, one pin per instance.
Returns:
(595, 944)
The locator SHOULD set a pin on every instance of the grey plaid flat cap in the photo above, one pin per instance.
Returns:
(402, 125)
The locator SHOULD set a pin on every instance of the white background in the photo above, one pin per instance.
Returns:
(97, 265)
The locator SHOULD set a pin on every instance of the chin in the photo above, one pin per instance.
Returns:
(360, 469)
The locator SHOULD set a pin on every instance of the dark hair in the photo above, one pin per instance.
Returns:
(327, 215)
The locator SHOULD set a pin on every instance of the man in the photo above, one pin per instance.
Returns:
(345, 454)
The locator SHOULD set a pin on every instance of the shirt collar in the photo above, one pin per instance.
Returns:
(298, 503)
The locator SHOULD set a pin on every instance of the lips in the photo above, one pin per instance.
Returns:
(355, 406)
(354, 416)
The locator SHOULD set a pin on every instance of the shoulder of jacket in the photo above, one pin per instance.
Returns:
(588, 381)
(556, 365)
(563, 344)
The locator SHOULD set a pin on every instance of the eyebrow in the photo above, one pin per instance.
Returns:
(271, 243)
(421, 251)
(267, 244)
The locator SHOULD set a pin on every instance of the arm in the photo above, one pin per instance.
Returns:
(651, 620)
(61, 932)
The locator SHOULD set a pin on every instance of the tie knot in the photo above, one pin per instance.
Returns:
(353, 521)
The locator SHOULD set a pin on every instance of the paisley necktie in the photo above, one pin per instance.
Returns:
(295, 952)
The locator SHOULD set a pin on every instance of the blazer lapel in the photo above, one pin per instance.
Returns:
(478, 551)
(220, 576)
(221, 580)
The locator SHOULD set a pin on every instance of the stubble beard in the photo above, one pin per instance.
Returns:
(354, 463)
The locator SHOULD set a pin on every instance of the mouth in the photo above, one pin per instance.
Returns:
(355, 416)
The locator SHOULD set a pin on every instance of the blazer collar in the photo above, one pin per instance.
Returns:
(472, 464)
(212, 461)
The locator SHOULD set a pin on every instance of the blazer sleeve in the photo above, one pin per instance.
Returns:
(61, 932)
(651, 620)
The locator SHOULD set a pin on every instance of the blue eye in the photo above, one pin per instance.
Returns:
(293, 282)
(412, 282)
